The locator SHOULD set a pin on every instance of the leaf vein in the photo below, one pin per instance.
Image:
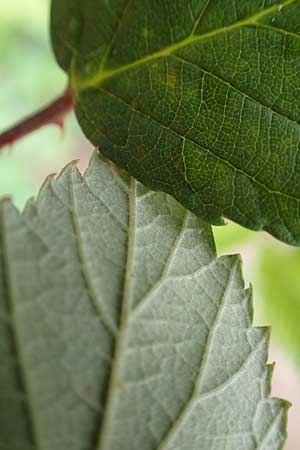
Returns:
(182, 416)
(122, 337)
(228, 163)
(111, 328)
(102, 74)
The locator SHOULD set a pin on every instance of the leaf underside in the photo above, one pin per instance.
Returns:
(196, 98)
(121, 330)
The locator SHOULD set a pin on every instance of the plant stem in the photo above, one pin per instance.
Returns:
(51, 114)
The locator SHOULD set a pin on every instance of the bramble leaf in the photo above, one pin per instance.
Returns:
(121, 330)
(197, 98)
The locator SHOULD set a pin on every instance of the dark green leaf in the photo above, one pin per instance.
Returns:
(197, 98)
(121, 330)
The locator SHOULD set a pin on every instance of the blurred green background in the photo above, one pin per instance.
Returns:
(29, 79)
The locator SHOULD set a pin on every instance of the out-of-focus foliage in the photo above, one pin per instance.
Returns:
(30, 79)
(279, 273)
(231, 235)
(274, 270)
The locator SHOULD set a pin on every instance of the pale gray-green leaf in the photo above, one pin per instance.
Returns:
(121, 330)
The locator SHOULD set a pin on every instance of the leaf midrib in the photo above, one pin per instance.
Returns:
(102, 75)
(122, 337)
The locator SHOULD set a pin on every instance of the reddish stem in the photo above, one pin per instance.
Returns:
(51, 114)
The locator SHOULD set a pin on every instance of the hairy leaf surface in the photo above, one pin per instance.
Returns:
(121, 330)
(197, 98)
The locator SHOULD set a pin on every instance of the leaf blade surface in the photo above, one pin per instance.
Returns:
(205, 108)
(121, 328)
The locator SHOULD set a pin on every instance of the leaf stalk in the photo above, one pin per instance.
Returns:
(54, 113)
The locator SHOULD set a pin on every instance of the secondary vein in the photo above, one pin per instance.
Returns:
(105, 74)
(192, 141)
(183, 415)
